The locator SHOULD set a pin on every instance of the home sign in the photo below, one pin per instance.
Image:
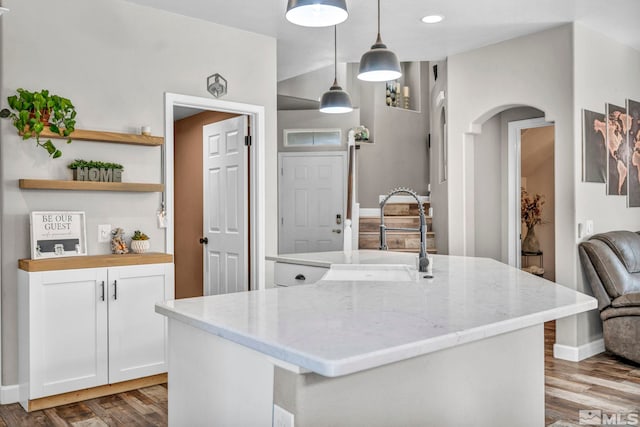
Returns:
(97, 174)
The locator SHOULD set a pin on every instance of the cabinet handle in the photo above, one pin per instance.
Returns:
(115, 289)
(102, 297)
(300, 277)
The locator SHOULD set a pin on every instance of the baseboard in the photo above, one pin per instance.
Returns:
(576, 354)
(9, 394)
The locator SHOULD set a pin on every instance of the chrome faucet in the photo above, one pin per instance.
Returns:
(423, 259)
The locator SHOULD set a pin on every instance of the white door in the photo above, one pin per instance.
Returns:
(226, 193)
(137, 334)
(311, 195)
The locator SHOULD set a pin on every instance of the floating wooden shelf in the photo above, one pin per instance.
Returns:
(49, 184)
(115, 137)
(93, 261)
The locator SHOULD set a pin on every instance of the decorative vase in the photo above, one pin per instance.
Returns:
(530, 244)
(140, 246)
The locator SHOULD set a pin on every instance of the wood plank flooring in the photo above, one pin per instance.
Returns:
(603, 382)
(142, 407)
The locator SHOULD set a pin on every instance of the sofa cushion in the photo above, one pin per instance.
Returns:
(627, 300)
(609, 269)
(626, 246)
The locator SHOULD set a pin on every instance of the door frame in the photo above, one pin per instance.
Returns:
(281, 155)
(514, 156)
(257, 173)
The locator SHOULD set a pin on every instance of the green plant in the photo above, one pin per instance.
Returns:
(31, 112)
(79, 163)
(139, 235)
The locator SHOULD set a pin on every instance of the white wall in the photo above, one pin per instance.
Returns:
(439, 186)
(488, 178)
(605, 71)
(535, 70)
(114, 60)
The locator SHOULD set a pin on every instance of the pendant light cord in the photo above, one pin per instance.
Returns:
(335, 55)
(378, 18)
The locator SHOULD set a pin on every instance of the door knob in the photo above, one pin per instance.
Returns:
(337, 230)
(204, 240)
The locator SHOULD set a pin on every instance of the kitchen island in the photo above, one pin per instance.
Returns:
(464, 347)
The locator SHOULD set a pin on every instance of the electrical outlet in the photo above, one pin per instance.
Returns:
(281, 417)
(104, 233)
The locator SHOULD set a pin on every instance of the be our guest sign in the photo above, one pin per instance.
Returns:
(58, 234)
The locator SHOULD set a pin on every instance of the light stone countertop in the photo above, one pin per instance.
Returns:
(363, 256)
(341, 327)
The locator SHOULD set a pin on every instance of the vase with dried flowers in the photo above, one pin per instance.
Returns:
(531, 215)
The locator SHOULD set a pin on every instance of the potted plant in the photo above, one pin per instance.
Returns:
(32, 112)
(92, 170)
(139, 242)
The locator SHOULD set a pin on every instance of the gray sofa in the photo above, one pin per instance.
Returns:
(611, 263)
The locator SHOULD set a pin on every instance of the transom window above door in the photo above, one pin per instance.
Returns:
(312, 137)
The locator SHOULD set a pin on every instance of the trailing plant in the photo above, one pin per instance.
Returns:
(139, 235)
(32, 112)
(79, 163)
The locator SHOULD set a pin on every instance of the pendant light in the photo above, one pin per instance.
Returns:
(335, 100)
(379, 64)
(316, 13)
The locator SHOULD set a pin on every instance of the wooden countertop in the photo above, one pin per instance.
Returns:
(93, 261)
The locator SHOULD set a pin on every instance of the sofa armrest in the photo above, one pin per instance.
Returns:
(627, 300)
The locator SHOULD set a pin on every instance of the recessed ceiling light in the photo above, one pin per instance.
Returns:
(432, 19)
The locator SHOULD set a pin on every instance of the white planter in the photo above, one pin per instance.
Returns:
(140, 246)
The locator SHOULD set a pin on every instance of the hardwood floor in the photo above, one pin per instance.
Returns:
(603, 382)
(143, 407)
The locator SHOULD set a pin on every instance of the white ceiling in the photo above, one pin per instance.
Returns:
(468, 24)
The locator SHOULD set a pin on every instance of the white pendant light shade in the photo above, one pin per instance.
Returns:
(335, 100)
(379, 64)
(316, 13)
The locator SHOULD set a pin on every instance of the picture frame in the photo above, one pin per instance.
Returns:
(57, 234)
(594, 147)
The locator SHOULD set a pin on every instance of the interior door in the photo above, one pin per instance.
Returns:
(225, 207)
(311, 202)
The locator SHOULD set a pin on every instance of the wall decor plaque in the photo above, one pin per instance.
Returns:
(58, 234)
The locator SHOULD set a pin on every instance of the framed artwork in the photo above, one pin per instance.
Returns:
(633, 135)
(617, 150)
(58, 234)
(594, 149)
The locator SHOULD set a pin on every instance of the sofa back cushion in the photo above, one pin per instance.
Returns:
(615, 256)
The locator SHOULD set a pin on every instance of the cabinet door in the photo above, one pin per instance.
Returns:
(67, 331)
(137, 334)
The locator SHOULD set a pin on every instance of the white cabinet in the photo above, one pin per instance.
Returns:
(295, 274)
(82, 328)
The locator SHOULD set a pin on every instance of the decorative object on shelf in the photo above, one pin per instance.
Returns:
(379, 64)
(92, 170)
(361, 134)
(393, 93)
(139, 242)
(531, 215)
(32, 112)
(217, 85)
(316, 13)
(405, 97)
(335, 100)
(58, 234)
(145, 130)
(118, 245)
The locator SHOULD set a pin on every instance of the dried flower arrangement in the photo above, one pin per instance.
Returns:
(531, 208)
